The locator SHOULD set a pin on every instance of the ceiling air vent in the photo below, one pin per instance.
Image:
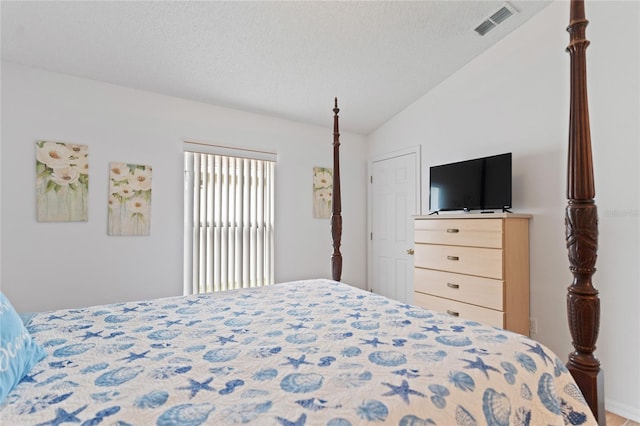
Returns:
(498, 17)
(502, 14)
(485, 27)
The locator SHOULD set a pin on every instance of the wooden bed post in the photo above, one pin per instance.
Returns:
(581, 226)
(336, 217)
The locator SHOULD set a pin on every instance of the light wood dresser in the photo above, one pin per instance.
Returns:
(474, 266)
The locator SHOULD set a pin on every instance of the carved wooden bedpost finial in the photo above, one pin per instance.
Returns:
(581, 224)
(336, 216)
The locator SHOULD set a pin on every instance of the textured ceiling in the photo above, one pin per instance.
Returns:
(286, 59)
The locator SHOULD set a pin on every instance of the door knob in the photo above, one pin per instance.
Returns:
(410, 251)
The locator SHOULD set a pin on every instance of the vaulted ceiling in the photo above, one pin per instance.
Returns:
(285, 59)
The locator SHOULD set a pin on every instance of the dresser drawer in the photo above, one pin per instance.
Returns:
(459, 309)
(483, 262)
(471, 232)
(479, 291)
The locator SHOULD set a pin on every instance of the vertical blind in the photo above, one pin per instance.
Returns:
(229, 218)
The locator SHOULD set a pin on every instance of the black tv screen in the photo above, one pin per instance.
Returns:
(478, 184)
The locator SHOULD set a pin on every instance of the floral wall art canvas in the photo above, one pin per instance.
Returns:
(62, 182)
(322, 192)
(129, 199)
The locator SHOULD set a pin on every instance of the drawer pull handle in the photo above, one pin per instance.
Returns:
(453, 258)
(453, 230)
(452, 285)
(453, 313)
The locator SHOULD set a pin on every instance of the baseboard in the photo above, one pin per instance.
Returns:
(626, 411)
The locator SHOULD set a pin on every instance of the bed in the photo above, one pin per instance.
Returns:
(314, 352)
(310, 352)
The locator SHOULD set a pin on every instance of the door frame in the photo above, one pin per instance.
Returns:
(417, 150)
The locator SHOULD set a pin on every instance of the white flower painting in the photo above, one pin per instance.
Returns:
(129, 199)
(322, 192)
(62, 182)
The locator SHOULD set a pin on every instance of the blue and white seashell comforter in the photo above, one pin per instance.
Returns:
(311, 352)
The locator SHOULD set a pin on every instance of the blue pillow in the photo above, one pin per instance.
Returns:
(18, 351)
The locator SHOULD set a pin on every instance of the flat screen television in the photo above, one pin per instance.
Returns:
(478, 184)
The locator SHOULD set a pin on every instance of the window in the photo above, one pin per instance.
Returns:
(229, 218)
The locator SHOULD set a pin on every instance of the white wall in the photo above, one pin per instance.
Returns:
(515, 98)
(53, 265)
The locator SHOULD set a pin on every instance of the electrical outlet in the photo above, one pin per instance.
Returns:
(533, 326)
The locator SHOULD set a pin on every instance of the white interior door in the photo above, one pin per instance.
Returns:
(394, 198)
